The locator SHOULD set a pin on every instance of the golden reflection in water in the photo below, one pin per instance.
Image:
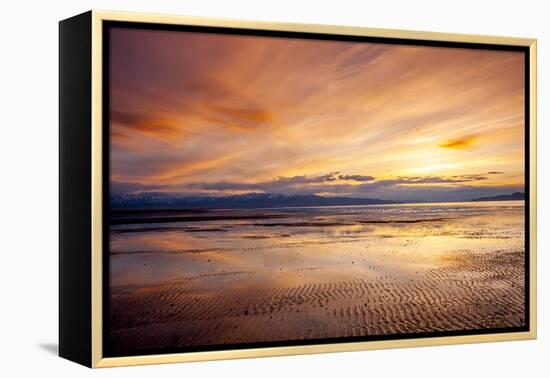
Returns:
(291, 255)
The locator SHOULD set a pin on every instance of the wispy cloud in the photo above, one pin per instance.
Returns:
(460, 143)
(158, 126)
(129, 187)
(218, 113)
(356, 177)
(338, 184)
(428, 188)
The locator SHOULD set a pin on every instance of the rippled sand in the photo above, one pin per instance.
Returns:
(240, 276)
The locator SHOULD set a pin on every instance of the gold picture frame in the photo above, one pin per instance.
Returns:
(90, 329)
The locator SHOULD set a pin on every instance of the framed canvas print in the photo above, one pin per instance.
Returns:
(234, 189)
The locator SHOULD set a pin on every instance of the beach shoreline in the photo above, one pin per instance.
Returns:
(316, 275)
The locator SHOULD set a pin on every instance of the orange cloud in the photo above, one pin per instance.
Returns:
(240, 119)
(153, 126)
(459, 144)
(248, 114)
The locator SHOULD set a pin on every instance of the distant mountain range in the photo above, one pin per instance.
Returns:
(516, 196)
(245, 201)
(153, 200)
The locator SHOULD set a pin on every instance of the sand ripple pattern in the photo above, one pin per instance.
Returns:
(466, 291)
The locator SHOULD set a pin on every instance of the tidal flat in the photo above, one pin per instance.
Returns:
(218, 277)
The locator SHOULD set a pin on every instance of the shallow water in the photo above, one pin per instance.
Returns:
(283, 262)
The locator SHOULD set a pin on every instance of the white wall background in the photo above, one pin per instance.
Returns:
(28, 217)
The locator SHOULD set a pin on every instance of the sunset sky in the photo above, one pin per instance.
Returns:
(215, 115)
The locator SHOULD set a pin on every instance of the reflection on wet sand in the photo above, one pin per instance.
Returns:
(238, 276)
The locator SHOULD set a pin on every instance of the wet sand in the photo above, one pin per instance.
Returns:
(299, 274)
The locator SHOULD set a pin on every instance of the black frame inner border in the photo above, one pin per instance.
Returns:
(106, 27)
